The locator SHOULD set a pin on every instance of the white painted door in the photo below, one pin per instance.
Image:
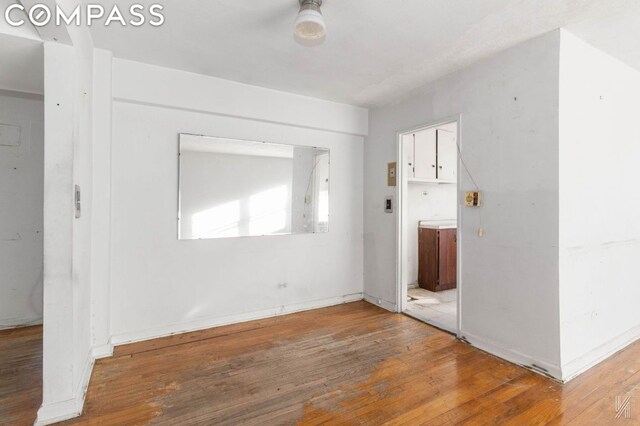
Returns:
(407, 142)
(447, 155)
(425, 154)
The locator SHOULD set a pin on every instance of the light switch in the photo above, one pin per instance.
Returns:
(473, 199)
(77, 202)
(388, 205)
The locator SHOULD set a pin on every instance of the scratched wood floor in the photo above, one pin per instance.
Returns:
(349, 364)
(20, 375)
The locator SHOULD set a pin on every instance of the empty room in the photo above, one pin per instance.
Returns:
(305, 212)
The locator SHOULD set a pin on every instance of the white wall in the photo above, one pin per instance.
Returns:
(509, 136)
(162, 285)
(24, 31)
(21, 192)
(599, 204)
(67, 345)
(195, 92)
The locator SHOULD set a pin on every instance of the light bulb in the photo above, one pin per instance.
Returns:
(309, 27)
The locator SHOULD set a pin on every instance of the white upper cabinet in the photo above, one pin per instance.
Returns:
(447, 155)
(407, 142)
(424, 148)
(431, 155)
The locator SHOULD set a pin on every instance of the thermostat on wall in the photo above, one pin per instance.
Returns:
(473, 199)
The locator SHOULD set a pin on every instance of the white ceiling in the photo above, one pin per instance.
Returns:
(21, 64)
(376, 50)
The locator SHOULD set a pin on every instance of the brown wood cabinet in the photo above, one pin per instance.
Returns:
(437, 259)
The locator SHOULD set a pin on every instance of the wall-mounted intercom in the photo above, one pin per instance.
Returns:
(473, 199)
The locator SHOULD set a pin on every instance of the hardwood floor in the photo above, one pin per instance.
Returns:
(348, 364)
(20, 375)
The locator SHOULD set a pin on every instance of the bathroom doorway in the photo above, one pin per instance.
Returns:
(428, 246)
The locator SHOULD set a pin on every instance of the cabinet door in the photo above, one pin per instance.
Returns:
(407, 142)
(447, 155)
(428, 259)
(447, 259)
(425, 154)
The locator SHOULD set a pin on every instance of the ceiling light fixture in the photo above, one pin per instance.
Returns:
(309, 28)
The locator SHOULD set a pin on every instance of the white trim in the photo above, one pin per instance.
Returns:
(401, 219)
(57, 412)
(389, 306)
(574, 368)
(438, 181)
(513, 356)
(102, 351)
(70, 408)
(101, 202)
(204, 323)
(20, 323)
(459, 237)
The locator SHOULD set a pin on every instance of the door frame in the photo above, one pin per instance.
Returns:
(401, 217)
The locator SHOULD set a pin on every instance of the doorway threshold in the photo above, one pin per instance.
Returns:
(435, 322)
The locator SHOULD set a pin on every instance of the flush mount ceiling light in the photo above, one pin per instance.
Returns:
(309, 28)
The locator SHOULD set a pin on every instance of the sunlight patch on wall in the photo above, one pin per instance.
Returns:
(219, 221)
(268, 211)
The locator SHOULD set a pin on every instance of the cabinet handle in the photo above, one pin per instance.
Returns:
(433, 165)
(440, 166)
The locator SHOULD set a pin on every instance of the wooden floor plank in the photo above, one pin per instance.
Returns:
(20, 375)
(346, 365)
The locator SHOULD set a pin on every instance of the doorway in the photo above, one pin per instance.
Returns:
(428, 281)
(21, 227)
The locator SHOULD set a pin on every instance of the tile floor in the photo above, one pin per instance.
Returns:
(438, 309)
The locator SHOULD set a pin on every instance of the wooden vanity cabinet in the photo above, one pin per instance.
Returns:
(437, 259)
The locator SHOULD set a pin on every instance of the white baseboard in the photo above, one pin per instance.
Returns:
(58, 412)
(7, 324)
(70, 408)
(573, 369)
(102, 351)
(515, 357)
(389, 306)
(204, 323)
